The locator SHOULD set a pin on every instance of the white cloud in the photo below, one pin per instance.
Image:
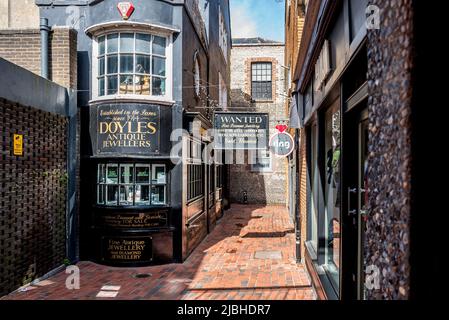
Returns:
(242, 23)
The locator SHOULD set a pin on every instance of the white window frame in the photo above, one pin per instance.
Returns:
(222, 92)
(223, 35)
(255, 154)
(165, 99)
(197, 76)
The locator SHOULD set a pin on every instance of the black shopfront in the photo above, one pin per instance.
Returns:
(332, 103)
(129, 184)
(145, 194)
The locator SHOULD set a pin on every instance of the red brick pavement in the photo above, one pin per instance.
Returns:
(223, 267)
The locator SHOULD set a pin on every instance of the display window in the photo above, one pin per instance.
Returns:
(131, 184)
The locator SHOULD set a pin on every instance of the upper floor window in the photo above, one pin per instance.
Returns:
(223, 92)
(261, 161)
(132, 63)
(261, 81)
(223, 35)
(197, 76)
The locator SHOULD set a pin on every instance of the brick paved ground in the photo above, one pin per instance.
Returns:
(249, 255)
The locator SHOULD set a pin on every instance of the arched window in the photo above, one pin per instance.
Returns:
(197, 75)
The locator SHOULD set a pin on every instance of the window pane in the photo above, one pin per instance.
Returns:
(158, 86)
(159, 66)
(142, 174)
(100, 194)
(101, 86)
(126, 195)
(158, 174)
(332, 194)
(112, 43)
(142, 85)
(101, 174)
(112, 173)
(157, 195)
(126, 63)
(143, 43)
(159, 45)
(143, 64)
(101, 45)
(112, 195)
(112, 64)
(112, 84)
(127, 42)
(142, 195)
(101, 66)
(126, 173)
(126, 84)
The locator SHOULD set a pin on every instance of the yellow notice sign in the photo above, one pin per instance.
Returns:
(18, 144)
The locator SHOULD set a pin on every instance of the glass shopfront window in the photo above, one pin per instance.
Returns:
(130, 184)
(314, 185)
(332, 194)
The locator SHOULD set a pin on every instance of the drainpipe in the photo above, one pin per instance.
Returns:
(45, 30)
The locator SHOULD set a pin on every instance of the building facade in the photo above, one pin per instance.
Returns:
(18, 14)
(145, 104)
(358, 100)
(294, 25)
(257, 86)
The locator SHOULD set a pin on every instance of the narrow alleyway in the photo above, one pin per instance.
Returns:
(249, 255)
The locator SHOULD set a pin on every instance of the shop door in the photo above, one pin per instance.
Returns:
(356, 189)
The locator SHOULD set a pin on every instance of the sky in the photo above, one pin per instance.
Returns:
(258, 18)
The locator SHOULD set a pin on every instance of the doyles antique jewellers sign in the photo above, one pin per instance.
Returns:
(146, 220)
(127, 249)
(128, 129)
(241, 131)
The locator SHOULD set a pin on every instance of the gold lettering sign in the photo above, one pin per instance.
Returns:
(156, 219)
(128, 129)
(127, 249)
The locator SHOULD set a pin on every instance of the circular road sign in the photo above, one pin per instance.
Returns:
(282, 144)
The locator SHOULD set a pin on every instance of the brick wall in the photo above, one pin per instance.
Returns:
(33, 195)
(272, 187)
(302, 171)
(22, 47)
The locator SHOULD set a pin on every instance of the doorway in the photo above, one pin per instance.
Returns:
(355, 188)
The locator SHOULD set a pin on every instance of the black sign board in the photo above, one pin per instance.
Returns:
(133, 221)
(127, 249)
(247, 131)
(128, 129)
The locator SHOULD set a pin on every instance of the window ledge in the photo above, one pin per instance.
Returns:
(311, 250)
(131, 98)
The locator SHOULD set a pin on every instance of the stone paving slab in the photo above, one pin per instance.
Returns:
(249, 255)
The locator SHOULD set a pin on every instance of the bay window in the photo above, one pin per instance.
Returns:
(131, 184)
(132, 63)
